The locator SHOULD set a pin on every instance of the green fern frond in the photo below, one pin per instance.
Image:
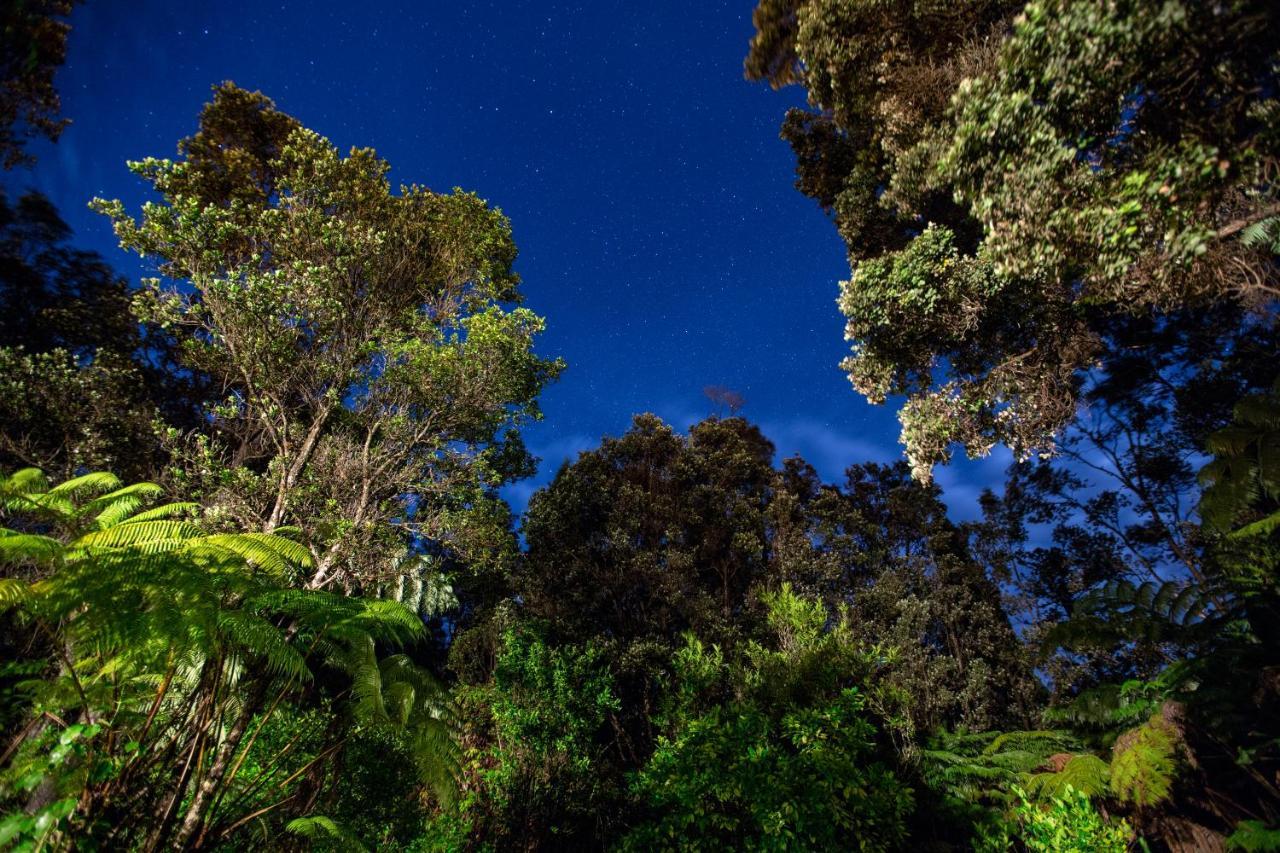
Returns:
(95, 482)
(367, 704)
(164, 511)
(24, 481)
(438, 759)
(135, 535)
(1086, 773)
(109, 508)
(1261, 527)
(1254, 836)
(12, 592)
(19, 548)
(325, 831)
(264, 642)
(1112, 706)
(275, 555)
(1144, 763)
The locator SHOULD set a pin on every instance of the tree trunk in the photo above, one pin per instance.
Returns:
(203, 798)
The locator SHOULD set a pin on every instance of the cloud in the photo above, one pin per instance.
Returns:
(964, 480)
(551, 455)
(828, 450)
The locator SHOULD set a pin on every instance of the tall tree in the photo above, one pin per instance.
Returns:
(1008, 180)
(882, 545)
(82, 380)
(33, 45)
(372, 365)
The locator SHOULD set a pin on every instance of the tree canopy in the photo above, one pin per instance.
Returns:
(1007, 179)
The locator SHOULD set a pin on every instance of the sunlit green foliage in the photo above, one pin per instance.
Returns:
(163, 642)
(374, 363)
(1067, 824)
(788, 760)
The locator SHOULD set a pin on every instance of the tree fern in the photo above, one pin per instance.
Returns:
(173, 635)
(973, 766)
(394, 692)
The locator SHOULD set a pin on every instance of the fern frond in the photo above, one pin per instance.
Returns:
(273, 554)
(109, 508)
(12, 592)
(325, 831)
(164, 511)
(265, 642)
(1254, 836)
(437, 757)
(1086, 773)
(95, 482)
(16, 548)
(139, 534)
(24, 481)
(1144, 763)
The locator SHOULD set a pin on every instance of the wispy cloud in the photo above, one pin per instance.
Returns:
(827, 449)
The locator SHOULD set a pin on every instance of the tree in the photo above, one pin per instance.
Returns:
(1002, 199)
(33, 45)
(881, 543)
(82, 380)
(373, 368)
(651, 535)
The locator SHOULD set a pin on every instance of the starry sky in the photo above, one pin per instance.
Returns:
(660, 233)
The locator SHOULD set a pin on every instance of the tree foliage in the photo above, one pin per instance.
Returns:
(33, 45)
(1008, 179)
(372, 367)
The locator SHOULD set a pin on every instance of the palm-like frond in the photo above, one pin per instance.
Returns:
(394, 692)
(12, 592)
(31, 548)
(95, 482)
(1086, 773)
(141, 535)
(164, 511)
(156, 618)
(973, 766)
(275, 555)
(1144, 762)
(325, 832)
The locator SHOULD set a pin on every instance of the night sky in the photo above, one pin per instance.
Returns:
(660, 233)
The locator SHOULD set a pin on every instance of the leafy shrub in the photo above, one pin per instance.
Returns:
(1066, 824)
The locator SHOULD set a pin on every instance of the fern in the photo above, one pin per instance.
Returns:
(419, 585)
(1145, 762)
(12, 592)
(139, 535)
(976, 766)
(159, 622)
(1117, 706)
(325, 832)
(98, 481)
(1254, 836)
(394, 692)
(1085, 773)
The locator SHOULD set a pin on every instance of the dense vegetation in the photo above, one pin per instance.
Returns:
(258, 588)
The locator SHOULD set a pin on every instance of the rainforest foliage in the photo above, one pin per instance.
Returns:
(259, 588)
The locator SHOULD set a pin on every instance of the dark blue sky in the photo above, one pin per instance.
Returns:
(659, 230)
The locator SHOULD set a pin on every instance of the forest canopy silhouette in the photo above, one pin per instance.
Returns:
(261, 585)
